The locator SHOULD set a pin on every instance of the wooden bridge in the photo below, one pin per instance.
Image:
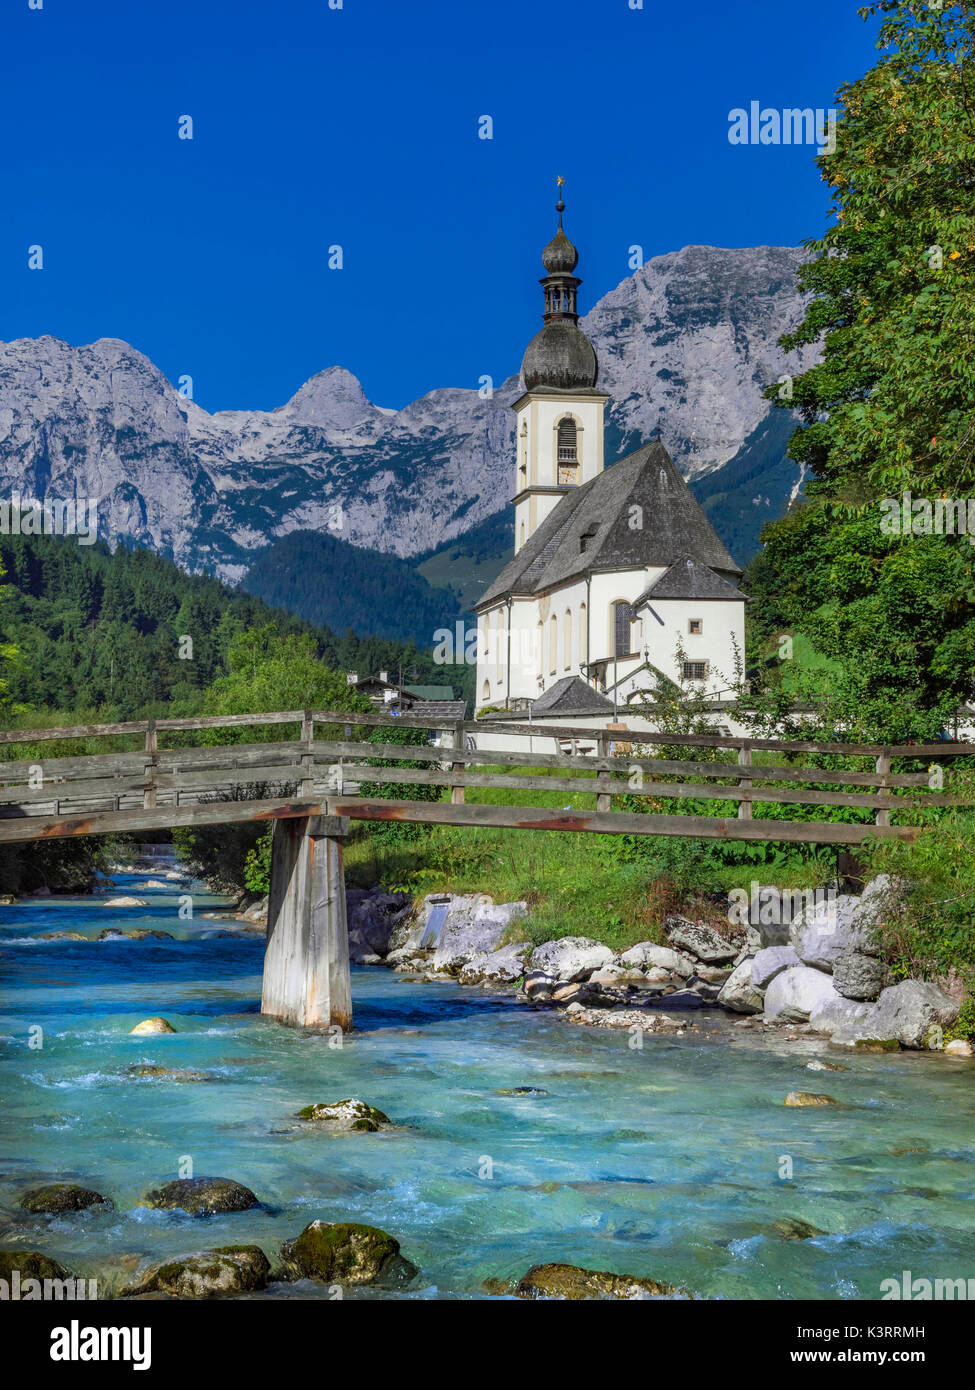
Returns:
(194, 772)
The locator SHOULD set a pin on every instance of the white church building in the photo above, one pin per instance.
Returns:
(618, 577)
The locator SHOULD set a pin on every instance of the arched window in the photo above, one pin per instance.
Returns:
(522, 539)
(486, 692)
(567, 440)
(539, 642)
(567, 641)
(623, 616)
(502, 635)
(583, 635)
(553, 644)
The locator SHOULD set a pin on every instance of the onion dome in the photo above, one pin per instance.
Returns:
(560, 355)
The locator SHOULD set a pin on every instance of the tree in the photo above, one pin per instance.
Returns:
(891, 406)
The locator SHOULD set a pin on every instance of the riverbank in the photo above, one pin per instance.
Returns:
(516, 1137)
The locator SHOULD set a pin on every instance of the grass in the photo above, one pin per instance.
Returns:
(615, 889)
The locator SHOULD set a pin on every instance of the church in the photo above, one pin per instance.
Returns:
(618, 577)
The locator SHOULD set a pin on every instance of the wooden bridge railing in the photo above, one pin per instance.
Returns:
(156, 785)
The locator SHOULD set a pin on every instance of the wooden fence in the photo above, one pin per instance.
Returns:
(158, 786)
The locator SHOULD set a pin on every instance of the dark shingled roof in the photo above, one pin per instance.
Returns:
(571, 695)
(560, 355)
(674, 527)
(687, 579)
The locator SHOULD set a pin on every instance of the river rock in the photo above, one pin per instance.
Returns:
(373, 916)
(958, 1047)
(739, 994)
(501, 967)
(539, 985)
(149, 1072)
(31, 1264)
(474, 927)
(136, 934)
(201, 1196)
(804, 1098)
(58, 1197)
(909, 1013)
(573, 1283)
(834, 1012)
(699, 940)
(346, 1252)
(62, 936)
(346, 1114)
(124, 901)
(570, 958)
(794, 994)
(858, 976)
(645, 955)
(229, 1269)
(152, 1025)
(821, 933)
(771, 961)
(882, 898)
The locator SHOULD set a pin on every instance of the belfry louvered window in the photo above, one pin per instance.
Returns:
(567, 441)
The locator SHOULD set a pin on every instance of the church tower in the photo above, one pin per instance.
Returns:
(559, 433)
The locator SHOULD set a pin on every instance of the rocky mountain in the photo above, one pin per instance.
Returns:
(686, 345)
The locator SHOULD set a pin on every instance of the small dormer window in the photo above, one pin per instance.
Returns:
(585, 540)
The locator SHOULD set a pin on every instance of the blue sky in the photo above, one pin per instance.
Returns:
(359, 127)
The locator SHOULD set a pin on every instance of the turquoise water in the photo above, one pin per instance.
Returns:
(663, 1162)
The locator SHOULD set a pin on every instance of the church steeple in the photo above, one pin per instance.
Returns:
(560, 416)
(560, 354)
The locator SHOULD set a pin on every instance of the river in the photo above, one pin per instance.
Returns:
(666, 1161)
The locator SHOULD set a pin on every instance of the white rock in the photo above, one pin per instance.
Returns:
(825, 931)
(646, 956)
(570, 958)
(771, 962)
(124, 902)
(738, 993)
(958, 1048)
(794, 994)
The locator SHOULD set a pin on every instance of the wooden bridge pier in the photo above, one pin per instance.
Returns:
(306, 962)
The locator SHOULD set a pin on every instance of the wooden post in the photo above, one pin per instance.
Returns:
(306, 789)
(306, 961)
(604, 801)
(883, 770)
(458, 769)
(745, 760)
(152, 747)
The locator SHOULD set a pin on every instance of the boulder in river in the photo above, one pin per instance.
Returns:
(573, 1283)
(738, 992)
(201, 1196)
(346, 1252)
(911, 1014)
(150, 1072)
(793, 995)
(346, 1114)
(152, 1025)
(134, 934)
(771, 961)
(807, 1098)
(699, 940)
(30, 1264)
(58, 1197)
(502, 967)
(958, 1047)
(124, 901)
(570, 958)
(227, 1270)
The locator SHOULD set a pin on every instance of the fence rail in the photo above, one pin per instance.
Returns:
(201, 784)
